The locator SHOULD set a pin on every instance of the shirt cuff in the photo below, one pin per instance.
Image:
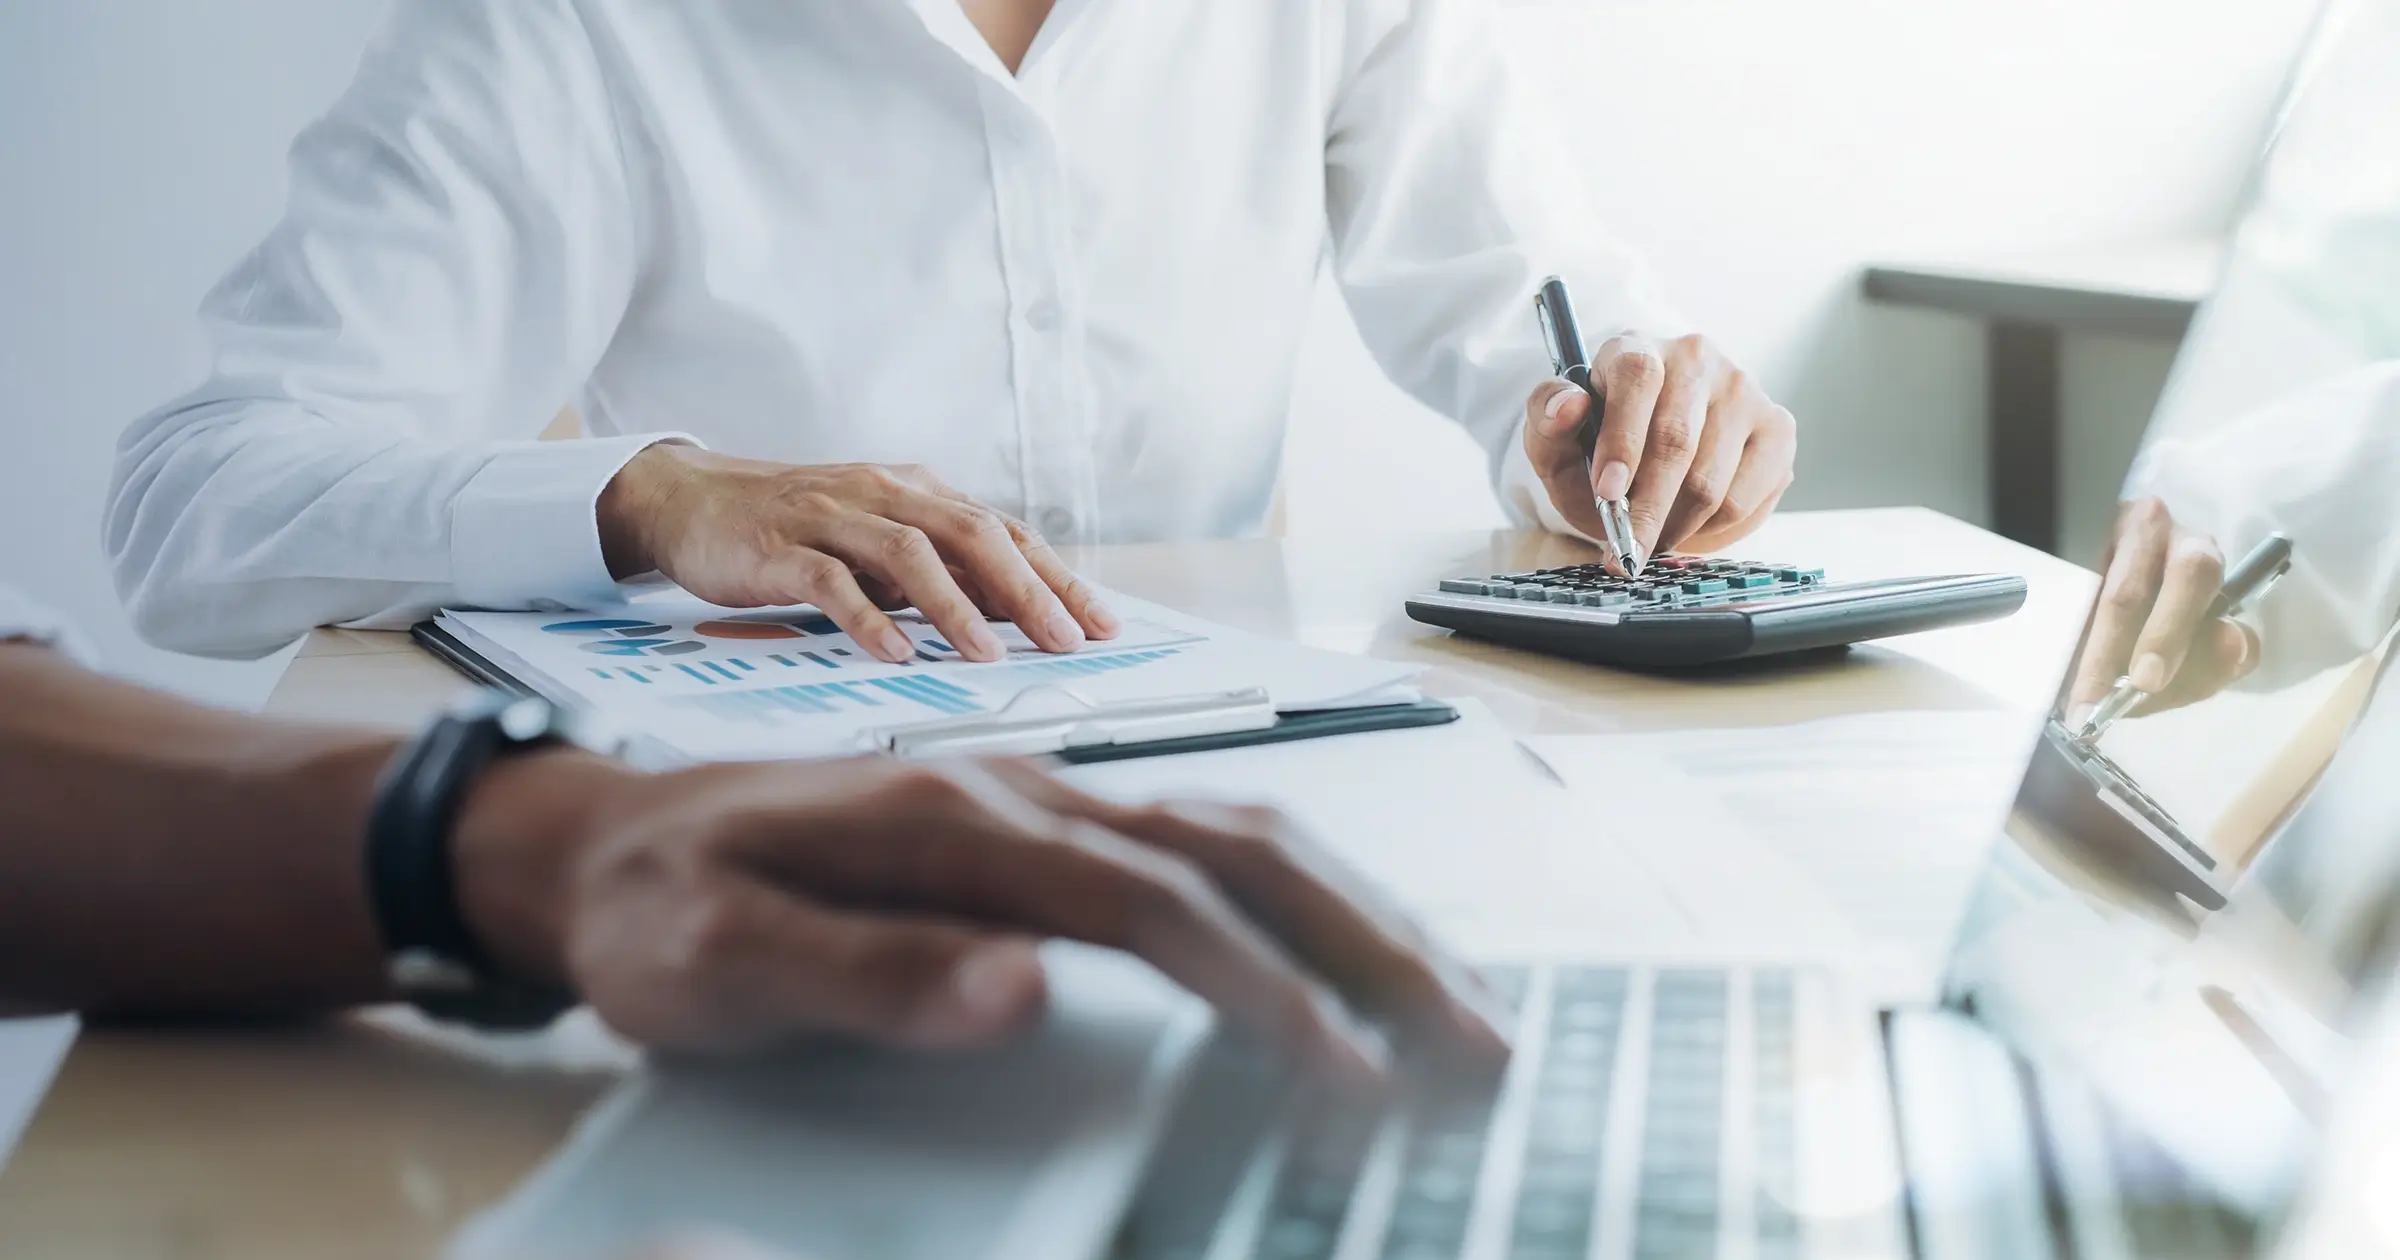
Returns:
(1523, 495)
(22, 621)
(525, 532)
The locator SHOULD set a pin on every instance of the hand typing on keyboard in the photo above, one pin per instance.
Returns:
(735, 907)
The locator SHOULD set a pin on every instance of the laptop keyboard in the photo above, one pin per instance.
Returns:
(1418, 1182)
(1669, 581)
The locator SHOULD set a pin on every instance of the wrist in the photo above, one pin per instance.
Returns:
(521, 831)
(631, 503)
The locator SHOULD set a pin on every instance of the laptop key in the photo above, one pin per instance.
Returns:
(1558, 1190)
(1675, 1206)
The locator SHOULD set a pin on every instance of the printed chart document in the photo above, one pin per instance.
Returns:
(695, 682)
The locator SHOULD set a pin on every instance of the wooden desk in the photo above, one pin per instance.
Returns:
(2028, 304)
(375, 1136)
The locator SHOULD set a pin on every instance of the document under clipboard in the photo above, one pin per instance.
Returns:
(1058, 722)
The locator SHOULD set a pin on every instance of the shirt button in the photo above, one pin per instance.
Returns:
(1055, 523)
(1042, 316)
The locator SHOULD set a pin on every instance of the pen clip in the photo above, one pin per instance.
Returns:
(1541, 313)
(1052, 718)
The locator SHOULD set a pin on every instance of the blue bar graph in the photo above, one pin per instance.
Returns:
(774, 705)
(1065, 668)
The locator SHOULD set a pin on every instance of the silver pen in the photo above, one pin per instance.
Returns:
(2244, 584)
(1564, 340)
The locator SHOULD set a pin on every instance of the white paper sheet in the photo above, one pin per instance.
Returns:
(1887, 815)
(1473, 835)
(713, 684)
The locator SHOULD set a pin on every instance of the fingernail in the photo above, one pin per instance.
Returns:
(2246, 652)
(991, 984)
(1614, 480)
(895, 645)
(1363, 1058)
(2149, 672)
(983, 643)
(1065, 630)
(2078, 714)
(1556, 407)
(1483, 1030)
(986, 993)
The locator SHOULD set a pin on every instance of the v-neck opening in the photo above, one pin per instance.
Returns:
(948, 22)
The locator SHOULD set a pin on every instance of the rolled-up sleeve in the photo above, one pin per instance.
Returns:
(1450, 197)
(461, 241)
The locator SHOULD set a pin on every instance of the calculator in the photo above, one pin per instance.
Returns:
(1694, 610)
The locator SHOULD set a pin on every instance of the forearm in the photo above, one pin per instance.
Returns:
(162, 858)
(237, 524)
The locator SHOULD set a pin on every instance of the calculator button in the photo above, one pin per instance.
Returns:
(1701, 586)
(1561, 595)
(1460, 586)
(1749, 581)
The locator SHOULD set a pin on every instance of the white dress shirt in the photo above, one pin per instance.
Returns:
(823, 232)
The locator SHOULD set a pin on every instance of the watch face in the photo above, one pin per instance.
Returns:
(526, 720)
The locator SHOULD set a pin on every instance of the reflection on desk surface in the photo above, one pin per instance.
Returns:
(271, 1142)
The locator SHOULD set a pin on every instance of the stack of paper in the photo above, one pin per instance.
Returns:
(692, 681)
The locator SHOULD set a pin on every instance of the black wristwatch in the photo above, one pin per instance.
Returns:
(433, 958)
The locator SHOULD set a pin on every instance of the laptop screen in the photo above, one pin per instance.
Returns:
(2197, 896)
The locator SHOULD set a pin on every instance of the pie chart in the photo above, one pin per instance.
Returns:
(745, 630)
(618, 627)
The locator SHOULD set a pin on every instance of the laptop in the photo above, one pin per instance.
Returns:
(2107, 1068)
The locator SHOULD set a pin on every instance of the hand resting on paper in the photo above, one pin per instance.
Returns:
(852, 539)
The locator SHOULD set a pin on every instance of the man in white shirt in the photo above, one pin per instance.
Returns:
(949, 277)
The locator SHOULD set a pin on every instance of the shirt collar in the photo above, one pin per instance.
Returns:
(948, 23)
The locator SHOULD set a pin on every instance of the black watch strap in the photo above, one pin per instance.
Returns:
(436, 961)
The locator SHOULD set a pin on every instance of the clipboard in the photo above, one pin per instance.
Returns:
(1062, 724)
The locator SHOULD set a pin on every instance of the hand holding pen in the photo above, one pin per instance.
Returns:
(2163, 633)
(1653, 447)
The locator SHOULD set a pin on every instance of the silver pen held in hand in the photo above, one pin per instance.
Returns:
(2244, 583)
(1563, 337)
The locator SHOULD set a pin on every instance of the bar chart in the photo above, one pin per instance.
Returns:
(911, 696)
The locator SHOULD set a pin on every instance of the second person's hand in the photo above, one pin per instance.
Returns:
(2150, 625)
(852, 539)
(1697, 449)
(732, 908)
